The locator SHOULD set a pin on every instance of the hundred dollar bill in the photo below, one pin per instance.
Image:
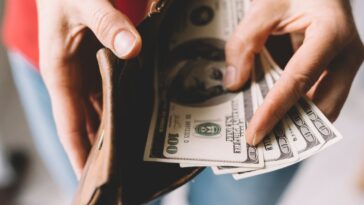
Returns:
(316, 119)
(278, 148)
(270, 145)
(288, 154)
(248, 94)
(186, 165)
(269, 167)
(244, 175)
(279, 145)
(305, 134)
(304, 138)
(328, 132)
(194, 119)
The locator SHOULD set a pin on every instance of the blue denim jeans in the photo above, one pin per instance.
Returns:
(37, 107)
(205, 189)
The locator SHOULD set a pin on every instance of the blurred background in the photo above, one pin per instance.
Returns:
(332, 177)
(34, 186)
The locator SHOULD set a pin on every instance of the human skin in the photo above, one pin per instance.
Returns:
(69, 36)
(328, 55)
(70, 32)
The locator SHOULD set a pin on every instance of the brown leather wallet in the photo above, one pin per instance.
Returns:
(115, 172)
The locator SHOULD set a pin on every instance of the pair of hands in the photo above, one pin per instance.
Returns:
(328, 55)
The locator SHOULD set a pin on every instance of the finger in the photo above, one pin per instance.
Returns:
(66, 104)
(247, 40)
(331, 91)
(70, 121)
(329, 95)
(113, 29)
(296, 40)
(301, 72)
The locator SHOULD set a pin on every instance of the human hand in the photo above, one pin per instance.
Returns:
(323, 67)
(68, 46)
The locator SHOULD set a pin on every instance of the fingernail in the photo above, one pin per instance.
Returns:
(124, 43)
(254, 140)
(250, 140)
(230, 75)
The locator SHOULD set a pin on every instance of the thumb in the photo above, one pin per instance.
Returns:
(113, 29)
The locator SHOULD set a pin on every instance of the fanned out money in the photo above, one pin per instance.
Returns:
(196, 122)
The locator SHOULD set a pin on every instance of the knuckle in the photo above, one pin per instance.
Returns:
(301, 83)
(361, 50)
(238, 43)
(232, 45)
(331, 109)
(333, 116)
(249, 44)
(338, 24)
(356, 51)
(103, 22)
(361, 55)
(331, 112)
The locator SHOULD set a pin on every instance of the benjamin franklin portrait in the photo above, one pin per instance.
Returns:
(195, 73)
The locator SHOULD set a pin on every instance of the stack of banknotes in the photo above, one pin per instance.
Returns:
(196, 122)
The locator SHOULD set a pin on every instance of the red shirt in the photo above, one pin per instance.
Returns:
(20, 28)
